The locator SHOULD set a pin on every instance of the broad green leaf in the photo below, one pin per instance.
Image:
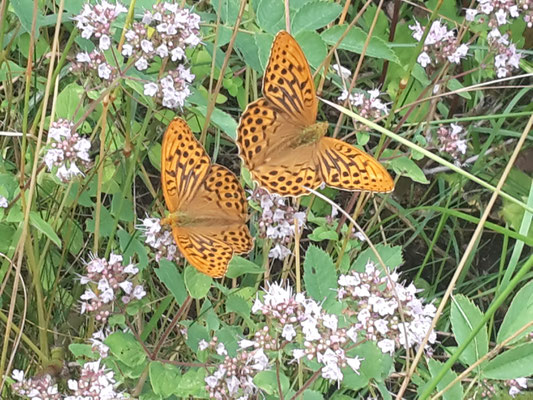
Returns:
(230, 336)
(268, 381)
(154, 155)
(313, 47)
(24, 11)
(454, 84)
(126, 348)
(192, 384)
(407, 167)
(72, 236)
(271, 16)
(122, 208)
(314, 15)
(245, 43)
(164, 378)
(320, 276)
(172, 279)
(132, 248)
(456, 391)
(355, 40)
(106, 223)
(263, 42)
(229, 10)
(511, 364)
(375, 366)
(464, 317)
(197, 284)
(221, 119)
(196, 333)
(82, 350)
(68, 102)
(44, 227)
(239, 266)
(238, 305)
(391, 256)
(520, 313)
(312, 395)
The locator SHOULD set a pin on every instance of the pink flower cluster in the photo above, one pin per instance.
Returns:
(373, 299)
(506, 58)
(277, 222)
(498, 11)
(66, 151)
(159, 237)
(233, 377)
(37, 387)
(440, 45)
(452, 140)
(111, 279)
(367, 104)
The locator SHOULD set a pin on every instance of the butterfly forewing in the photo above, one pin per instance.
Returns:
(184, 164)
(288, 82)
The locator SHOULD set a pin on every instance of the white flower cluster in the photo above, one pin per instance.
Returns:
(378, 312)
(96, 20)
(498, 11)
(452, 141)
(298, 316)
(440, 45)
(160, 239)
(95, 382)
(277, 222)
(174, 30)
(506, 56)
(111, 277)
(36, 388)
(233, 378)
(367, 104)
(516, 386)
(3, 202)
(66, 150)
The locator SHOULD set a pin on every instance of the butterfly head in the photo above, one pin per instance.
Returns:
(176, 218)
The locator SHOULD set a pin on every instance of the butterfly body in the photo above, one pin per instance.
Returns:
(207, 204)
(283, 145)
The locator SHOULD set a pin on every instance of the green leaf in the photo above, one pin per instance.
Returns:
(511, 364)
(238, 305)
(221, 119)
(125, 348)
(24, 11)
(375, 366)
(229, 10)
(320, 276)
(323, 233)
(391, 256)
(355, 40)
(407, 167)
(456, 391)
(263, 42)
(239, 266)
(196, 333)
(197, 284)
(313, 47)
(268, 382)
(454, 84)
(192, 384)
(122, 208)
(154, 155)
(82, 350)
(68, 102)
(271, 16)
(315, 15)
(312, 395)
(245, 43)
(106, 223)
(520, 313)
(132, 248)
(164, 378)
(44, 227)
(172, 279)
(464, 317)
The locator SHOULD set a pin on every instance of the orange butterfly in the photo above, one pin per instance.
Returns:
(207, 204)
(285, 148)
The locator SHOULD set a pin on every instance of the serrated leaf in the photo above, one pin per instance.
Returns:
(355, 40)
(172, 279)
(464, 317)
(239, 266)
(520, 313)
(197, 284)
(44, 227)
(271, 16)
(511, 364)
(314, 15)
(456, 391)
(407, 167)
(238, 305)
(164, 378)
(245, 42)
(313, 46)
(320, 276)
(391, 256)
